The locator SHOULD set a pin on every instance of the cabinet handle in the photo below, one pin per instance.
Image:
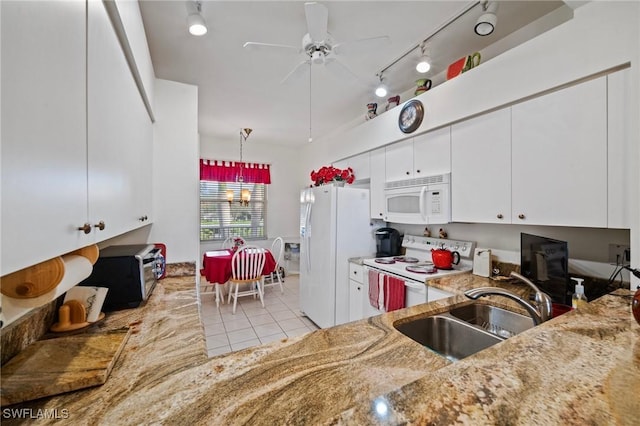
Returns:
(142, 218)
(417, 171)
(380, 214)
(499, 216)
(100, 225)
(520, 216)
(86, 228)
(407, 173)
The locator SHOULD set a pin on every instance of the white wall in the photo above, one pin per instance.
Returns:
(283, 194)
(175, 186)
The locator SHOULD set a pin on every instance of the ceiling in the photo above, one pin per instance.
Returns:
(241, 87)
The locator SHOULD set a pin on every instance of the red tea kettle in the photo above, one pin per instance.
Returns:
(444, 259)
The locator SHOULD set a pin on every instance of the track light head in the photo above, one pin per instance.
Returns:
(486, 23)
(424, 64)
(195, 21)
(381, 89)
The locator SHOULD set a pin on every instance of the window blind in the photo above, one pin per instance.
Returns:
(220, 219)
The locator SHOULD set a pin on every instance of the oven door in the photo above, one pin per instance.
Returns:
(406, 205)
(415, 292)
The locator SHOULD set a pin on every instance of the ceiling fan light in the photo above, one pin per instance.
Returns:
(381, 91)
(423, 65)
(197, 26)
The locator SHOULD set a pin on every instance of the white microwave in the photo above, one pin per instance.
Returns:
(420, 201)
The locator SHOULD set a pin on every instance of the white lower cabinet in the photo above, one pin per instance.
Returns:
(356, 296)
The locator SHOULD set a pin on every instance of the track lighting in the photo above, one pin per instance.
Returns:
(195, 21)
(381, 90)
(487, 21)
(424, 63)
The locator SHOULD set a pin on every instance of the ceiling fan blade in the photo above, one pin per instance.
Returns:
(342, 71)
(252, 45)
(296, 71)
(360, 44)
(317, 17)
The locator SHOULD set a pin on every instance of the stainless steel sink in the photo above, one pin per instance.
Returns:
(465, 330)
(492, 319)
(448, 336)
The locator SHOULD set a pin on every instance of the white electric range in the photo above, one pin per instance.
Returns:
(415, 267)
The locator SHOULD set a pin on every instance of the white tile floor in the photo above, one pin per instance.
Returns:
(252, 324)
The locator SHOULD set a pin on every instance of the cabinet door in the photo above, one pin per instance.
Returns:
(399, 161)
(481, 169)
(559, 146)
(44, 175)
(376, 185)
(359, 163)
(432, 153)
(355, 300)
(117, 127)
(620, 165)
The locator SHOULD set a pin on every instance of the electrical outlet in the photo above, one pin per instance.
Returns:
(619, 254)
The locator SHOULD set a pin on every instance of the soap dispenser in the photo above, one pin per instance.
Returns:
(578, 297)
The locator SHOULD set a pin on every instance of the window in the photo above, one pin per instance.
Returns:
(220, 219)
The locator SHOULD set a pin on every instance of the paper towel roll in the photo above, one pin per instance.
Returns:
(76, 269)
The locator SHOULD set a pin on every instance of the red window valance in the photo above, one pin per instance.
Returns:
(229, 171)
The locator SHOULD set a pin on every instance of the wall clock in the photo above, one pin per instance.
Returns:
(411, 116)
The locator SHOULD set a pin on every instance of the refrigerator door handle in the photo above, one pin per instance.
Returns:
(308, 235)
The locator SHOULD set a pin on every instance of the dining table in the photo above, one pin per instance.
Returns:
(216, 266)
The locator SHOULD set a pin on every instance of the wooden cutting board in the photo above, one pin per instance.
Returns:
(33, 281)
(54, 366)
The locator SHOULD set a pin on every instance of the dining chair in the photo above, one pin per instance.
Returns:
(277, 250)
(229, 242)
(246, 270)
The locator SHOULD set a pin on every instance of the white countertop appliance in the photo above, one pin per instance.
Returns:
(415, 266)
(334, 226)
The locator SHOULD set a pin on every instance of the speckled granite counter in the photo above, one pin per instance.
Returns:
(580, 368)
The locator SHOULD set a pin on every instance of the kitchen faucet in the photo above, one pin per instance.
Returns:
(540, 313)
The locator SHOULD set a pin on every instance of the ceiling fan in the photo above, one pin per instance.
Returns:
(318, 46)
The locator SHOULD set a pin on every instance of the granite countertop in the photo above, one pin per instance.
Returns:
(580, 368)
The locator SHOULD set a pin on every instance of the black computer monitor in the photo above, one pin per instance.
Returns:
(545, 261)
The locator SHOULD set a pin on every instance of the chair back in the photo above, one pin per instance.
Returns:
(247, 263)
(277, 250)
(230, 242)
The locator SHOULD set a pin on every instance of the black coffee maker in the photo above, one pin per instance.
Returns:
(388, 242)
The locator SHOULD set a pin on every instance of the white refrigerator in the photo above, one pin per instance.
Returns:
(334, 226)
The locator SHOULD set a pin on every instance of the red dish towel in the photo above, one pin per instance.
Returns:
(394, 294)
(373, 288)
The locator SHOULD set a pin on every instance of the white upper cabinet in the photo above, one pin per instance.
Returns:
(359, 163)
(119, 134)
(44, 169)
(399, 161)
(620, 176)
(376, 185)
(559, 151)
(425, 155)
(432, 153)
(481, 169)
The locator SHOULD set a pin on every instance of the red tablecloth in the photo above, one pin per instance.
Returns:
(216, 265)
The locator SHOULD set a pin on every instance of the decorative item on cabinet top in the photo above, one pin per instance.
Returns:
(463, 65)
(331, 175)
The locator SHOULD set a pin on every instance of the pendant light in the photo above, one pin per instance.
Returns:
(245, 194)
